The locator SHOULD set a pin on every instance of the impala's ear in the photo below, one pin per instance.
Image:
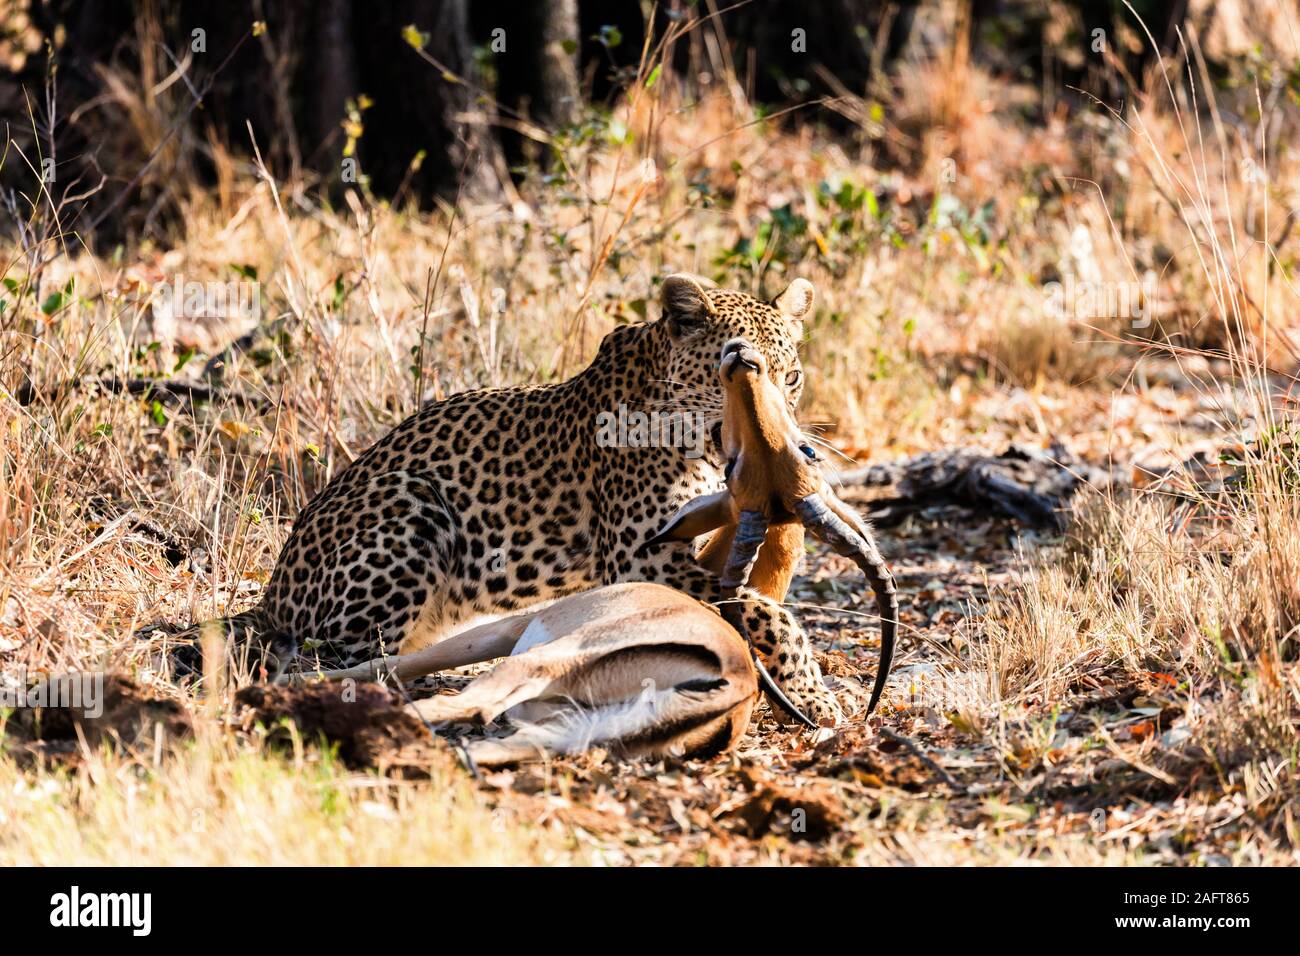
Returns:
(700, 516)
(686, 304)
(796, 302)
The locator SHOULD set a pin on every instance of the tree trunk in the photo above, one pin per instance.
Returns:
(292, 84)
(419, 106)
(781, 49)
(534, 49)
(333, 78)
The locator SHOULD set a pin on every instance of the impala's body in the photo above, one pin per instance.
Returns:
(639, 668)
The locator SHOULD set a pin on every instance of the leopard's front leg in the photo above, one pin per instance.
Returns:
(770, 628)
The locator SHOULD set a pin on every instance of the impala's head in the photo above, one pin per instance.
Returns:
(770, 465)
(699, 320)
(775, 477)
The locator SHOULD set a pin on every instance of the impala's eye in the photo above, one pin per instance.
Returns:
(793, 377)
(808, 452)
(726, 472)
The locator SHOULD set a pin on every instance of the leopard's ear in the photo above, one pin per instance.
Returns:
(699, 516)
(796, 302)
(685, 302)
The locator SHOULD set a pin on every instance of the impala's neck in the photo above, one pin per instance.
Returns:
(777, 558)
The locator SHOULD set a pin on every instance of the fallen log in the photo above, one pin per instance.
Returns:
(1030, 485)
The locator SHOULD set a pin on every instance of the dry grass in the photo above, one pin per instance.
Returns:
(226, 804)
(931, 330)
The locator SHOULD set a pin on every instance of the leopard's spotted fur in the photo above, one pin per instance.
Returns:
(492, 500)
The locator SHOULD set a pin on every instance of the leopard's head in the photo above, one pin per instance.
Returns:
(697, 321)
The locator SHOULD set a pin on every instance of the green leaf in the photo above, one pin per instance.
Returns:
(570, 46)
(181, 362)
(248, 272)
(653, 78)
(873, 207)
(57, 300)
(158, 412)
(611, 36)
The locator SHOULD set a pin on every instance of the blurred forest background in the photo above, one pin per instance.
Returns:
(132, 99)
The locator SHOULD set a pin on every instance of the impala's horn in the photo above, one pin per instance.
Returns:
(750, 532)
(845, 540)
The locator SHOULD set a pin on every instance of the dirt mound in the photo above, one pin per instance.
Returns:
(801, 813)
(98, 708)
(366, 722)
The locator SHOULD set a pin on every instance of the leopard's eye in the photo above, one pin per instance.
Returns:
(793, 377)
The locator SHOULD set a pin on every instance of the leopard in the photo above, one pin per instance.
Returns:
(491, 500)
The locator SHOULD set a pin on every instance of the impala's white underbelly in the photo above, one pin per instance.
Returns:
(534, 634)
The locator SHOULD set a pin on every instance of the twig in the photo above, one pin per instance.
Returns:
(195, 103)
(177, 392)
(925, 758)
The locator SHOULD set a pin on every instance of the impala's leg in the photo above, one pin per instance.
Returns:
(483, 643)
(768, 627)
(511, 682)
